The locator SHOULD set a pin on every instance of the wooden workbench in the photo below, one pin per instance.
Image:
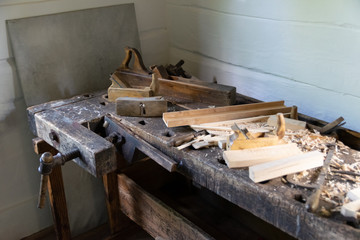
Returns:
(273, 201)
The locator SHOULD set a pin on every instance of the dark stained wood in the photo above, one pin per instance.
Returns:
(97, 154)
(154, 216)
(56, 192)
(58, 204)
(273, 202)
(112, 202)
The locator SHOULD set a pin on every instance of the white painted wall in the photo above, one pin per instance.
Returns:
(304, 52)
(19, 179)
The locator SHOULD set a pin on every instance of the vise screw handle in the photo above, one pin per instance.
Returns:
(47, 163)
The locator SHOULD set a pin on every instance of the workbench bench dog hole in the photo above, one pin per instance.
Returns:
(300, 198)
(168, 134)
(142, 122)
(87, 95)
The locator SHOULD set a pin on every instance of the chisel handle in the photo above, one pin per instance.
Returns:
(42, 193)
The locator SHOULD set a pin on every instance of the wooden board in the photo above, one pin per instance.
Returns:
(281, 167)
(116, 92)
(242, 143)
(72, 52)
(250, 157)
(208, 115)
(159, 220)
(291, 124)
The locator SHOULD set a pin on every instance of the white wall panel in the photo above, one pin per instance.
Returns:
(305, 52)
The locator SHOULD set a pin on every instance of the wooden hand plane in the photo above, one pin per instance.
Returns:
(138, 82)
(121, 88)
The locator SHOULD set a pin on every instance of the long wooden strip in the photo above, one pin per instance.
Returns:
(227, 109)
(250, 157)
(154, 216)
(221, 116)
(278, 168)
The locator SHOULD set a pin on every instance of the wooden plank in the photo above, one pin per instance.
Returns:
(219, 116)
(154, 216)
(250, 157)
(242, 143)
(284, 166)
(291, 124)
(220, 95)
(229, 123)
(226, 109)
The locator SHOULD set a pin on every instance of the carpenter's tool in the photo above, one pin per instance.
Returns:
(177, 70)
(47, 163)
(312, 203)
(144, 107)
(235, 142)
(135, 82)
(121, 88)
(178, 140)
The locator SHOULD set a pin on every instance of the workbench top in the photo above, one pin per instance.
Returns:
(274, 201)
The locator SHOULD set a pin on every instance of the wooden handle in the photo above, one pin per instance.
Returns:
(139, 66)
(280, 126)
(42, 193)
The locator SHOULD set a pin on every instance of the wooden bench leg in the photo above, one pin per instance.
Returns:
(113, 202)
(56, 193)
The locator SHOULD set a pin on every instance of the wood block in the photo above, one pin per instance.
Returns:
(284, 166)
(242, 143)
(116, 92)
(351, 209)
(154, 216)
(135, 107)
(250, 157)
(354, 194)
(291, 124)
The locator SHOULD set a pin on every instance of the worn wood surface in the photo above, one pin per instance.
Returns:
(137, 107)
(64, 134)
(151, 214)
(273, 202)
(112, 201)
(56, 193)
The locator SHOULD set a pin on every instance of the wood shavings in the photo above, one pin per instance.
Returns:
(338, 183)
